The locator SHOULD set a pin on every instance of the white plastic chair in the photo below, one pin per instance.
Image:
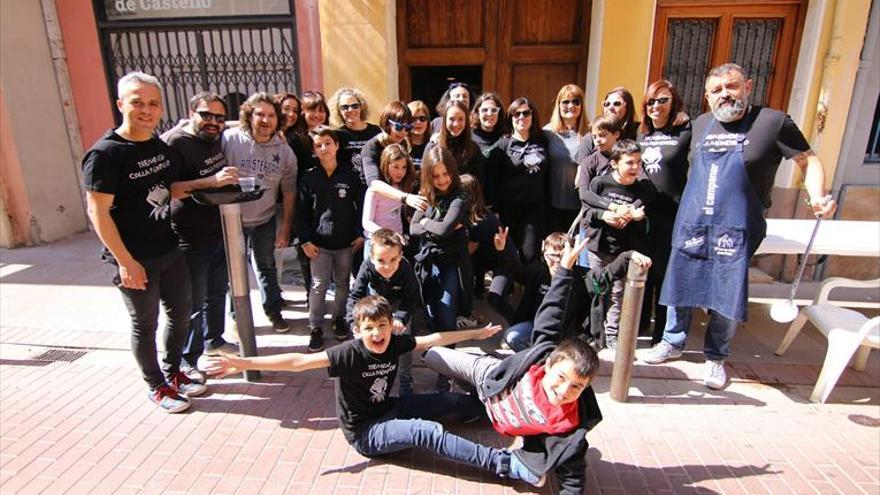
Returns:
(847, 331)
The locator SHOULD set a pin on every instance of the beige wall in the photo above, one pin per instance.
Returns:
(359, 49)
(40, 190)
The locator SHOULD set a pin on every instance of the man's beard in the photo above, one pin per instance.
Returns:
(730, 113)
(206, 136)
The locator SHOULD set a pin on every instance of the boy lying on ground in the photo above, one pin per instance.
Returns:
(542, 393)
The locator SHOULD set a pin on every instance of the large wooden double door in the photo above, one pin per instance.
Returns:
(515, 47)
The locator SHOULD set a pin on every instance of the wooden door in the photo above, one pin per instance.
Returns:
(524, 47)
(692, 36)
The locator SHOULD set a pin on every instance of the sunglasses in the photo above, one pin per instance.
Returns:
(208, 116)
(574, 101)
(659, 101)
(607, 104)
(489, 110)
(523, 113)
(353, 106)
(420, 118)
(400, 126)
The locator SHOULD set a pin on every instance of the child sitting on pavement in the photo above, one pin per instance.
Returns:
(373, 422)
(543, 393)
(387, 273)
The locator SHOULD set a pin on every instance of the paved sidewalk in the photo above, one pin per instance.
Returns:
(86, 426)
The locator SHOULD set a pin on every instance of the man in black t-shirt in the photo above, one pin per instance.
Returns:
(735, 152)
(127, 175)
(202, 164)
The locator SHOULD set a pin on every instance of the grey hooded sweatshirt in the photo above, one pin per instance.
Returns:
(272, 163)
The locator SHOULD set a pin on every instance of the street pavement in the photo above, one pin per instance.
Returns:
(74, 415)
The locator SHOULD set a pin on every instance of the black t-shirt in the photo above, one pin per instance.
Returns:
(771, 135)
(416, 154)
(606, 239)
(665, 161)
(138, 175)
(364, 381)
(522, 174)
(196, 225)
(351, 142)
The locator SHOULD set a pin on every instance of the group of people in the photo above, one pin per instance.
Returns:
(418, 212)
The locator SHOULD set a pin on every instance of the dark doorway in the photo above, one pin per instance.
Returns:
(430, 82)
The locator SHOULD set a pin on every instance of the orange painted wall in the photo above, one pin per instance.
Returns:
(86, 67)
(13, 191)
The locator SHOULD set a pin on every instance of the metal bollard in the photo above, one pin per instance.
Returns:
(630, 315)
(236, 262)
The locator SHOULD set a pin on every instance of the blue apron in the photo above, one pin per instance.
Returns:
(718, 228)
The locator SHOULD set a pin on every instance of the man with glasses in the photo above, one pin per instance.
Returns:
(199, 228)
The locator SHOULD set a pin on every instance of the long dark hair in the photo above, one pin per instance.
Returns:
(534, 129)
(461, 147)
(437, 156)
(501, 125)
(628, 124)
(647, 125)
(478, 210)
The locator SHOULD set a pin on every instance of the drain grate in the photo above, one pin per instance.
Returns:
(55, 355)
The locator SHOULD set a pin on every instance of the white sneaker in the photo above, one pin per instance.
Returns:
(661, 352)
(715, 375)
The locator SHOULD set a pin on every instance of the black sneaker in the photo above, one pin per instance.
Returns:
(340, 329)
(316, 340)
(278, 323)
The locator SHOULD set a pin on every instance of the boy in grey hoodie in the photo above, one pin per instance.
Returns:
(257, 150)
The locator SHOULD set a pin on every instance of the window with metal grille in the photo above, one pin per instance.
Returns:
(872, 153)
(687, 58)
(230, 61)
(752, 47)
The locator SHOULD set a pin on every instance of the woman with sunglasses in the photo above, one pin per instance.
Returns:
(455, 136)
(618, 105)
(457, 91)
(487, 127)
(348, 113)
(665, 160)
(521, 176)
(418, 136)
(567, 127)
(396, 123)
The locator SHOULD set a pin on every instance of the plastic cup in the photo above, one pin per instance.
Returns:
(247, 184)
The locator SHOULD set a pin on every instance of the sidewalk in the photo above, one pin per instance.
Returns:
(74, 417)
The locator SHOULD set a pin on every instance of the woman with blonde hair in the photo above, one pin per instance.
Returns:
(349, 113)
(567, 127)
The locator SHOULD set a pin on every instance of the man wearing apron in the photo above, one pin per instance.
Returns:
(735, 153)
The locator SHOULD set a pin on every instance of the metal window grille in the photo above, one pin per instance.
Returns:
(232, 62)
(872, 153)
(687, 58)
(753, 45)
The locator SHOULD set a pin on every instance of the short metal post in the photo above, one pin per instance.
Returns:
(236, 261)
(630, 315)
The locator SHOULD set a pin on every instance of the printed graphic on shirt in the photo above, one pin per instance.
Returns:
(341, 190)
(651, 158)
(158, 199)
(379, 388)
(726, 246)
(723, 141)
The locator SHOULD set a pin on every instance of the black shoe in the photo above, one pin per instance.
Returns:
(340, 329)
(316, 340)
(278, 323)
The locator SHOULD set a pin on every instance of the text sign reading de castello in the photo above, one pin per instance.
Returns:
(118, 10)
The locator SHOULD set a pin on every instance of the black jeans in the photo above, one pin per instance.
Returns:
(209, 279)
(526, 222)
(168, 282)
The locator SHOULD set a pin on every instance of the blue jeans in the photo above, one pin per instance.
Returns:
(168, 282)
(519, 335)
(209, 279)
(260, 240)
(719, 332)
(442, 296)
(409, 425)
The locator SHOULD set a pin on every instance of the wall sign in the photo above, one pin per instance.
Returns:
(119, 10)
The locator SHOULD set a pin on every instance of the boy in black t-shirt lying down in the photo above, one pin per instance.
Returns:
(373, 422)
(542, 393)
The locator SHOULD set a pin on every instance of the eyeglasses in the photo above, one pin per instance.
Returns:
(208, 116)
(553, 256)
(459, 85)
(353, 106)
(658, 101)
(420, 118)
(574, 101)
(489, 110)
(522, 113)
(616, 103)
(400, 126)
